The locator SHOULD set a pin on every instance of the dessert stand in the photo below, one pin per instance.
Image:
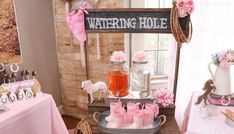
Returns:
(102, 106)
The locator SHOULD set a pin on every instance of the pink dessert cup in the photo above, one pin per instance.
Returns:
(131, 108)
(137, 119)
(113, 107)
(152, 107)
(148, 117)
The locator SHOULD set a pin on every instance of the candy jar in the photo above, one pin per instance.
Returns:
(118, 75)
(140, 74)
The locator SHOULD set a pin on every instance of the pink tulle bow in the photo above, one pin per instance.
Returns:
(164, 97)
(76, 23)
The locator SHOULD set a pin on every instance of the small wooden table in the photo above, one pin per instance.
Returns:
(170, 127)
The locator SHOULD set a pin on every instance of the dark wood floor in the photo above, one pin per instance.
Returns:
(170, 126)
(70, 122)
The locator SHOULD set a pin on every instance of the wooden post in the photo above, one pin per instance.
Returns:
(177, 64)
(87, 58)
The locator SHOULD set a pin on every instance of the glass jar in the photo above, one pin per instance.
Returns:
(118, 79)
(139, 72)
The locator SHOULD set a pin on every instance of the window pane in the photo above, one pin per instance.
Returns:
(152, 58)
(152, 3)
(155, 45)
(162, 68)
(164, 41)
(150, 41)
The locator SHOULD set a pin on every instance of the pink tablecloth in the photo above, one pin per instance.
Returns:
(196, 123)
(37, 116)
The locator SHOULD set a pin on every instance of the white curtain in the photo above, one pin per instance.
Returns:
(213, 30)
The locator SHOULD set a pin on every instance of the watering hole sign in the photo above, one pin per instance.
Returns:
(129, 20)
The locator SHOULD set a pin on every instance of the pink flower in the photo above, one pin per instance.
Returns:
(185, 7)
(190, 9)
(118, 56)
(224, 62)
(180, 4)
(225, 59)
(182, 13)
(164, 97)
(230, 56)
(139, 56)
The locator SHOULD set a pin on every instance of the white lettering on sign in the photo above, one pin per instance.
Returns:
(130, 23)
(164, 23)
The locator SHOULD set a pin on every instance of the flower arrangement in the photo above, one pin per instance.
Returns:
(118, 56)
(223, 58)
(164, 97)
(140, 56)
(185, 7)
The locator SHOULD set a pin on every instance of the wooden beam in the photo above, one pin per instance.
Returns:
(177, 64)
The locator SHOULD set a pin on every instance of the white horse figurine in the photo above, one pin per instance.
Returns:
(90, 88)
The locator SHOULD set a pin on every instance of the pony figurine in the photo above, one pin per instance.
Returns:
(12, 96)
(208, 87)
(28, 93)
(90, 88)
(21, 94)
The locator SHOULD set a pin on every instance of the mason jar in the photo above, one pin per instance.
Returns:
(118, 79)
(139, 71)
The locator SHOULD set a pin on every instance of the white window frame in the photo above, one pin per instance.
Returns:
(162, 81)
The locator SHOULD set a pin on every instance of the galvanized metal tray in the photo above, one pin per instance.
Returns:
(102, 123)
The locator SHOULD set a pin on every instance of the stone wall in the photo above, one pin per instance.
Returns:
(71, 72)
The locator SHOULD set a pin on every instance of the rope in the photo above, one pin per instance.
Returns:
(83, 127)
(180, 36)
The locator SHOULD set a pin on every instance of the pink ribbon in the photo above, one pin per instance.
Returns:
(76, 23)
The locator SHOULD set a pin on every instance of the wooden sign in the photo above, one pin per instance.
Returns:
(129, 20)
